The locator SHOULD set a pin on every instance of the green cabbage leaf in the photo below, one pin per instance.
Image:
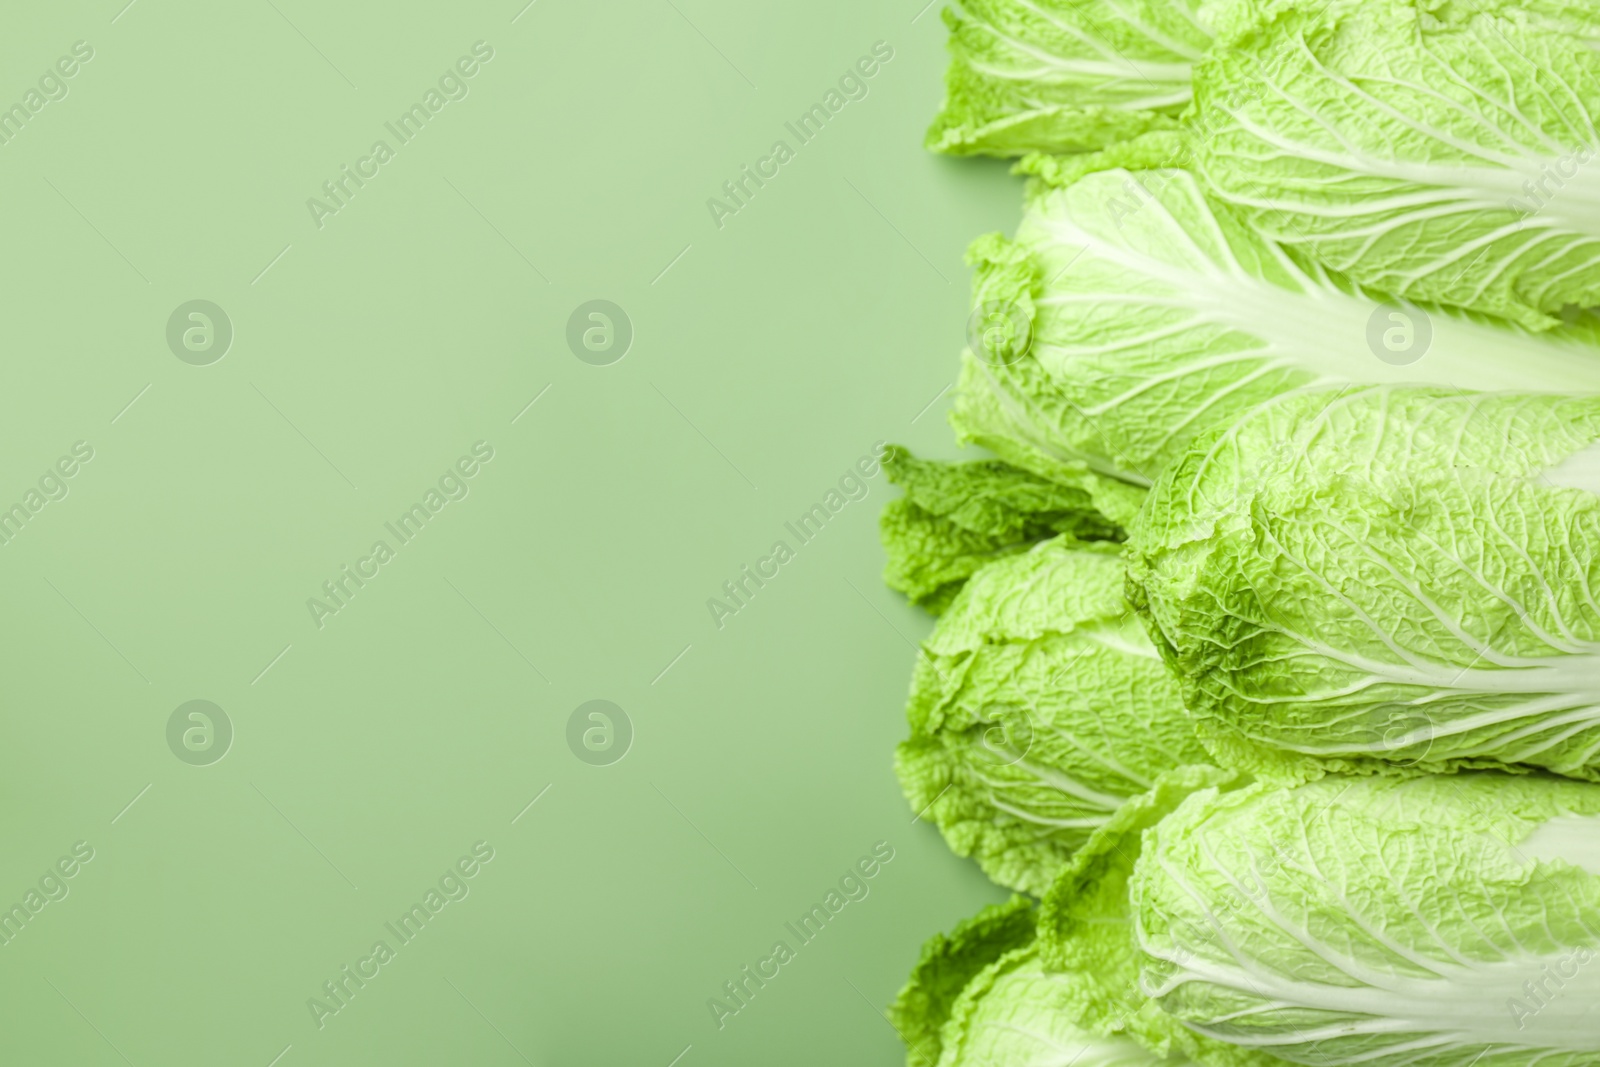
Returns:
(956, 518)
(1038, 708)
(1384, 579)
(1064, 75)
(1133, 314)
(948, 965)
(1441, 921)
(1439, 153)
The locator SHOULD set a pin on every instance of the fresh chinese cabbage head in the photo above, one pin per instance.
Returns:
(949, 963)
(1086, 928)
(983, 996)
(1384, 579)
(1438, 152)
(1440, 921)
(1138, 314)
(956, 518)
(1064, 75)
(1018, 1013)
(1038, 707)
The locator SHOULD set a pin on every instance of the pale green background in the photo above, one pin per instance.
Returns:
(406, 329)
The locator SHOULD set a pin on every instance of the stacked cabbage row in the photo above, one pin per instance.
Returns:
(1268, 660)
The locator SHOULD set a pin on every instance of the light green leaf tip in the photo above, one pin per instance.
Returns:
(958, 517)
(949, 962)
